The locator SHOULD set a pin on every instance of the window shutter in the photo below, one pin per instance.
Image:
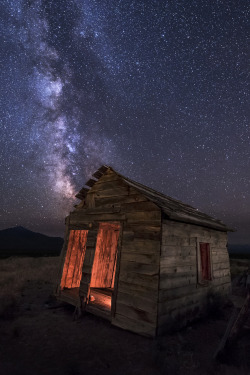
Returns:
(205, 261)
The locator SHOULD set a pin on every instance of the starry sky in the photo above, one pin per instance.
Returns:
(156, 89)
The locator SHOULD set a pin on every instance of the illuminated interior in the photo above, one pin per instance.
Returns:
(72, 270)
(104, 266)
(103, 270)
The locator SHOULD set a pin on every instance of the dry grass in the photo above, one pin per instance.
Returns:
(40, 340)
(239, 266)
(16, 272)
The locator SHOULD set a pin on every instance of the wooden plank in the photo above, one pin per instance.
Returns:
(105, 256)
(137, 302)
(221, 266)
(149, 217)
(117, 272)
(220, 253)
(109, 201)
(103, 185)
(175, 261)
(128, 236)
(84, 285)
(167, 283)
(110, 181)
(148, 293)
(139, 279)
(64, 279)
(87, 265)
(139, 206)
(218, 258)
(170, 250)
(100, 210)
(82, 193)
(86, 269)
(97, 175)
(190, 230)
(91, 182)
(104, 168)
(137, 326)
(135, 313)
(78, 218)
(176, 275)
(141, 246)
(83, 226)
(145, 231)
(177, 241)
(112, 192)
(86, 276)
(177, 270)
(221, 273)
(175, 293)
(62, 256)
(144, 269)
(107, 177)
(140, 258)
(181, 303)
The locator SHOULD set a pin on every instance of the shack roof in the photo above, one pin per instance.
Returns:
(172, 208)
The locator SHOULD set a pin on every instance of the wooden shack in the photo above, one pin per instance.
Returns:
(139, 258)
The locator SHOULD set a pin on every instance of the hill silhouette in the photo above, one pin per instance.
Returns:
(239, 251)
(24, 242)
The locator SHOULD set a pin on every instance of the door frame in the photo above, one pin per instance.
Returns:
(117, 271)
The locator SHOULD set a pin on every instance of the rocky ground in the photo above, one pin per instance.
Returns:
(38, 335)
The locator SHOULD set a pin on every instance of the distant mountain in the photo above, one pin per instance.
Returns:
(238, 249)
(21, 241)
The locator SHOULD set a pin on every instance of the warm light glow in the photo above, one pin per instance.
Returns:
(101, 299)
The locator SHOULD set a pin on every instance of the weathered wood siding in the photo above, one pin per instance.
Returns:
(110, 199)
(136, 304)
(181, 297)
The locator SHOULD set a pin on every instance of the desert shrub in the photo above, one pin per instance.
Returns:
(238, 266)
(15, 272)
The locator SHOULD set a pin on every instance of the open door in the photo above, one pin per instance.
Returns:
(72, 269)
(104, 267)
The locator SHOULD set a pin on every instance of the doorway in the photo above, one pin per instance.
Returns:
(104, 267)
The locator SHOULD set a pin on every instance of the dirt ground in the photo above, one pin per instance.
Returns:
(38, 335)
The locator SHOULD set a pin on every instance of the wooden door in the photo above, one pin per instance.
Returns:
(105, 256)
(72, 269)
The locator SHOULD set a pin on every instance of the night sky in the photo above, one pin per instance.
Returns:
(156, 89)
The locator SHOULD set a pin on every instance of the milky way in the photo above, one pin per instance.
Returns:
(157, 89)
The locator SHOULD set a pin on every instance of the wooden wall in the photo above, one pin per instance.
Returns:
(181, 297)
(137, 278)
(156, 286)
(136, 304)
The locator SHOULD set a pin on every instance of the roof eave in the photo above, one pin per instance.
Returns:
(197, 221)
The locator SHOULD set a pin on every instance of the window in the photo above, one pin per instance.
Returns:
(205, 263)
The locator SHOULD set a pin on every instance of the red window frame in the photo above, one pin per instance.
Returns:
(205, 261)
